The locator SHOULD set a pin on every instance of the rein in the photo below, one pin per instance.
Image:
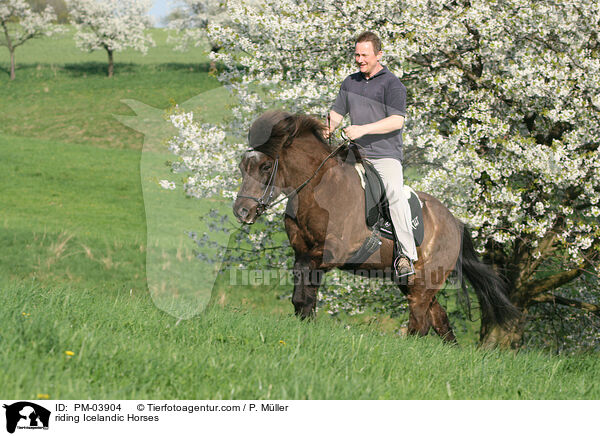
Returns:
(265, 199)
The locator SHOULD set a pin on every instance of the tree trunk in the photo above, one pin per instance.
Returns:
(111, 65)
(12, 64)
(511, 336)
(213, 65)
(11, 50)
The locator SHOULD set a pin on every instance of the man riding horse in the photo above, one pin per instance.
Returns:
(325, 215)
(376, 101)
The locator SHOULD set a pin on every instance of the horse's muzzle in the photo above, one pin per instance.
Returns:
(243, 215)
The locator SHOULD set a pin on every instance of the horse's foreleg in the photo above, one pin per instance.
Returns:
(440, 322)
(307, 280)
(419, 321)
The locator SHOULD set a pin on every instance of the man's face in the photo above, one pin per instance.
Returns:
(366, 58)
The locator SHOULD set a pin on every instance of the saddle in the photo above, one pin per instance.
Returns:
(377, 212)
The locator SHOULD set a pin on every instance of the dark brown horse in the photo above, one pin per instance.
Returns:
(326, 224)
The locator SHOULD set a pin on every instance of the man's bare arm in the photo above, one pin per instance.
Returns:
(387, 125)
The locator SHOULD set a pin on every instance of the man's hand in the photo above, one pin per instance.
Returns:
(354, 132)
(333, 121)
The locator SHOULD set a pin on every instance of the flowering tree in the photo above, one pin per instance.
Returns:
(20, 24)
(191, 23)
(504, 117)
(112, 25)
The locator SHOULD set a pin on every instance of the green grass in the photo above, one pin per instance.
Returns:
(70, 157)
(233, 353)
(63, 94)
(70, 213)
(80, 109)
(80, 216)
(56, 186)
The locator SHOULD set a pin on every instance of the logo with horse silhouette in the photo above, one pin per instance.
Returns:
(26, 415)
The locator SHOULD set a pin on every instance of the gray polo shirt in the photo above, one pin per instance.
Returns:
(371, 100)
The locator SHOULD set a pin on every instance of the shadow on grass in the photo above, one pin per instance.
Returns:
(96, 68)
(84, 69)
(100, 68)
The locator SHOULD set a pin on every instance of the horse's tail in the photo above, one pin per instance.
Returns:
(491, 289)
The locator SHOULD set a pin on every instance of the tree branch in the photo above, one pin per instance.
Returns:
(7, 36)
(526, 263)
(557, 299)
(535, 287)
(591, 103)
(26, 38)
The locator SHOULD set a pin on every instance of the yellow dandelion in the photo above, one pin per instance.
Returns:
(43, 396)
(25, 313)
(69, 353)
(281, 342)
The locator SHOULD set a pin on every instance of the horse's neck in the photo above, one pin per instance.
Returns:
(334, 183)
(303, 159)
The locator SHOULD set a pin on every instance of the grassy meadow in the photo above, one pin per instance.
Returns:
(81, 212)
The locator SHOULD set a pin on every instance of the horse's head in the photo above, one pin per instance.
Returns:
(259, 164)
(259, 186)
(270, 138)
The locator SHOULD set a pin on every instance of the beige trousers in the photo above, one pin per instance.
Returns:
(391, 173)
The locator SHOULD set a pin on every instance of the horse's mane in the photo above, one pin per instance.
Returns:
(275, 129)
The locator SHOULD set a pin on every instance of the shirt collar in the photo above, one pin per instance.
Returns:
(379, 73)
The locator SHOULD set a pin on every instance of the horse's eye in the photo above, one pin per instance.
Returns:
(265, 167)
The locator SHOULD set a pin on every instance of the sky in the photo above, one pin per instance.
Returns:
(161, 9)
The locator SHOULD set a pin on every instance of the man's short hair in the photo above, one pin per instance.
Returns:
(372, 38)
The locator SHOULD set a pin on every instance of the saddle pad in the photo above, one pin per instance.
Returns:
(376, 203)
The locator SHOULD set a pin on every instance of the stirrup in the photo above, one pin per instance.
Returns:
(403, 266)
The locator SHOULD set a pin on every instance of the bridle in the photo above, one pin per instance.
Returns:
(264, 202)
(267, 196)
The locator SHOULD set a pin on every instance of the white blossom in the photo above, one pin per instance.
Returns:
(166, 184)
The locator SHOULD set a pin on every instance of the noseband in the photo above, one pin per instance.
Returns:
(267, 196)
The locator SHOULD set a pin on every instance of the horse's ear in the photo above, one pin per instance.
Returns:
(259, 134)
(266, 126)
